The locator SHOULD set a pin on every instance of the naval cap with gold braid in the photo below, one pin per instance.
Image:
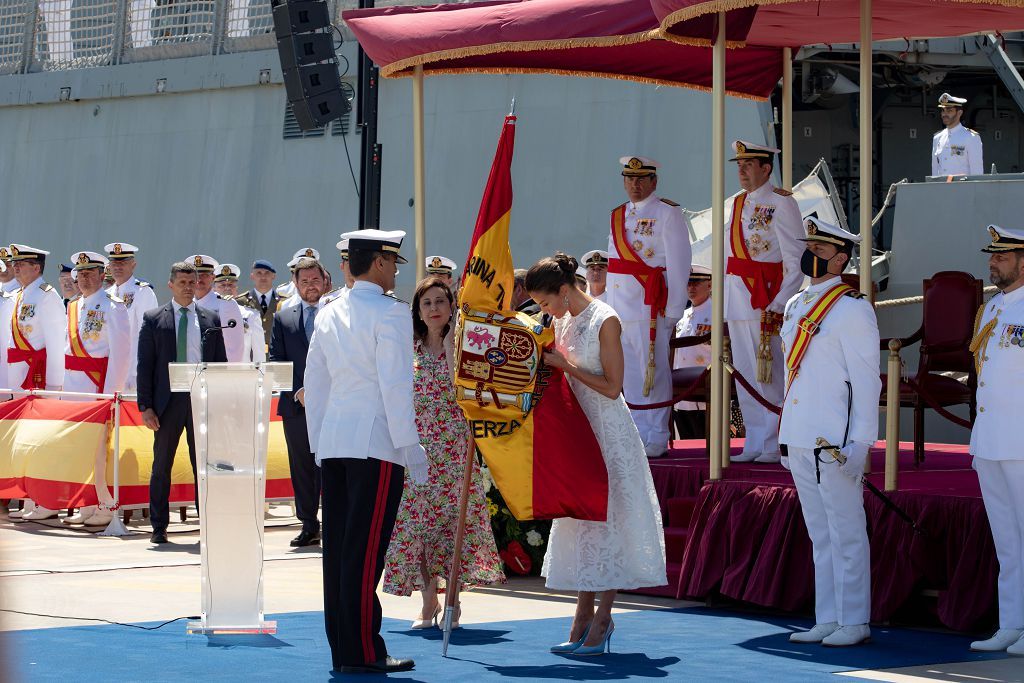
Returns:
(748, 150)
(227, 271)
(371, 239)
(23, 252)
(1004, 239)
(820, 231)
(440, 265)
(638, 167)
(946, 101)
(83, 260)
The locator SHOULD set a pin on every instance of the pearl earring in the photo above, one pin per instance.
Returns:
(565, 301)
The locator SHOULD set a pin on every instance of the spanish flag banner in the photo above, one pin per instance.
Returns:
(49, 450)
(527, 423)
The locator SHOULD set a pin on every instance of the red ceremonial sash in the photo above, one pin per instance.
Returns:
(762, 278)
(652, 278)
(79, 359)
(23, 352)
(808, 327)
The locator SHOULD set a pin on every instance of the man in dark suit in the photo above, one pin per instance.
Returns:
(289, 341)
(176, 332)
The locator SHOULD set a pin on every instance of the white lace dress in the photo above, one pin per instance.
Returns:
(627, 551)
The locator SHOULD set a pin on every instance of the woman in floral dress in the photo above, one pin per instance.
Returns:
(423, 543)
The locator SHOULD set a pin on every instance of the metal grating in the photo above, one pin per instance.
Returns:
(14, 14)
(247, 18)
(72, 34)
(168, 22)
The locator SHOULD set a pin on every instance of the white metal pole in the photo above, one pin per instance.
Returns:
(787, 118)
(117, 452)
(866, 152)
(419, 182)
(718, 252)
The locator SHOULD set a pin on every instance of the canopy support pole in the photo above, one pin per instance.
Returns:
(719, 444)
(866, 152)
(787, 118)
(419, 187)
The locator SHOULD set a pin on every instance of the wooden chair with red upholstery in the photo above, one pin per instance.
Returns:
(951, 302)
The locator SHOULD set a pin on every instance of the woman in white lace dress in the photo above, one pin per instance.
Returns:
(628, 550)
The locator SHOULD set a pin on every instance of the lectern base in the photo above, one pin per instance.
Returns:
(197, 628)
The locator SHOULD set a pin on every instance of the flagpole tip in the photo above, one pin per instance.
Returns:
(512, 108)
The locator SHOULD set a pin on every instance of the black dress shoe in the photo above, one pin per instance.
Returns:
(158, 537)
(381, 666)
(306, 538)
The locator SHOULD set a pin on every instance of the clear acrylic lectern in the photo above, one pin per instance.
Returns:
(231, 414)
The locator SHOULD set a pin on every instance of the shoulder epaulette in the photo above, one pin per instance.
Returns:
(390, 295)
(143, 283)
(115, 299)
(781, 192)
(46, 288)
(855, 294)
(618, 207)
(971, 131)
(667, 201)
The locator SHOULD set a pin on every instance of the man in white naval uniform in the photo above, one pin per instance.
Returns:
(8, 283)
(831, 337)
(443, 267)
(998, 348)
(226, 285)
(361, 425)
(138, 296)
(6, 311)
(596, 263)
(96, 350)
(346, 274)
(648, 266)
(689, 416)
(762, 254)
(956, 149)
(228, 310)
(35, 352)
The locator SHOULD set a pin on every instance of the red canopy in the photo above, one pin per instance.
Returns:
(807, 22)
(607, 38)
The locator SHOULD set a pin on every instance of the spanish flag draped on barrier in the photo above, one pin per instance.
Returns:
(49, 450)
(527, 423)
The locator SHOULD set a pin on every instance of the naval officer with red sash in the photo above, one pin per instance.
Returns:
(648, 267)
(361, 424)
(830, 336)
(762, 273)
(97, 350)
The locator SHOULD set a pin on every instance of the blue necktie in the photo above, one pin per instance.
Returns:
(310, 314)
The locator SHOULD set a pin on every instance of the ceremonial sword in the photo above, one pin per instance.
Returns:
(886, 500)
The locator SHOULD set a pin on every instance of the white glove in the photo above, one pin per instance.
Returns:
(776, 308)
(416, 463)
(856, 455)
(784, 461)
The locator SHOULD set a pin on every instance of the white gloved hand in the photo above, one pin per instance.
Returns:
(784, 461)
(856, 455)
(416, 463)
(776, 308)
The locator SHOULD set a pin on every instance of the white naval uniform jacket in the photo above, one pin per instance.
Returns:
(255, 341)
(845, 349)
(43, 321)
(104, 330)
(660, 235)
(6, 309)
(138, 297)
(957, 151)
(234, 337)
(10, 286)
(359, 379)
(772, 226)
(996, 432)
(695, 322)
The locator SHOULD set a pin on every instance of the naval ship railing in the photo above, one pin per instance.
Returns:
(55, 35)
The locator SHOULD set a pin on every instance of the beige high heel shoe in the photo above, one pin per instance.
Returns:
(427, 623)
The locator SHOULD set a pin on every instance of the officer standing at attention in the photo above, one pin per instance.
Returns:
(138, 295)
(262, 297)
(8, 283)
(648, 265)
(349, 281)
(96, 353)
(226, 309)
(596, 263)
(689, 416)
(361, 425)
(443, 267)
(226, 285)
(830, 335)
(998, 348)
(35, 353)
(956, 149)
(762, 273)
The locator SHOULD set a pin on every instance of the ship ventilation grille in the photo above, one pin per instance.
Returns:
(291, 130)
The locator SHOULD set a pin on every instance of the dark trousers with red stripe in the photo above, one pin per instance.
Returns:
(360, 503)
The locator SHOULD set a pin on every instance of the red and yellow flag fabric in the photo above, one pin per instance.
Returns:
(48, 453)
(527, 423)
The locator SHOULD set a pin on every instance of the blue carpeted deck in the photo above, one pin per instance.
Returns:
(691, 644)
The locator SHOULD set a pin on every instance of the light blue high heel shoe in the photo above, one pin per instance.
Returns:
(600, 648)
(571, 646)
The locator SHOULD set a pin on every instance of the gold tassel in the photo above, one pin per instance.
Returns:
(980, 344)
(771, 323)
(649, 375)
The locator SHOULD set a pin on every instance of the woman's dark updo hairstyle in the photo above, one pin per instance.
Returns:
(550, 273)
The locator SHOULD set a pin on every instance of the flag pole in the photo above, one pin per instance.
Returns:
(452, 593)
(419, 174)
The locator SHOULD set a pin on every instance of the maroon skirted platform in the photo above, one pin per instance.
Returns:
(746, 538)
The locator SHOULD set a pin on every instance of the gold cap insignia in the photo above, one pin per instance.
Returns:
(635, 163)
(3, 252)
(812, 228)
(741, 148)
(309, 253)
(944, 98)
(117, 248)
(225, 270)
(435, 262)
(995, 235)
(83, 259)
(199, 260)
(14, 250)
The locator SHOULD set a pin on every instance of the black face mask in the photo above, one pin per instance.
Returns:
(813, 265)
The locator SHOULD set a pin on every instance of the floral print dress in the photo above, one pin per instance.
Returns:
(428, 515)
